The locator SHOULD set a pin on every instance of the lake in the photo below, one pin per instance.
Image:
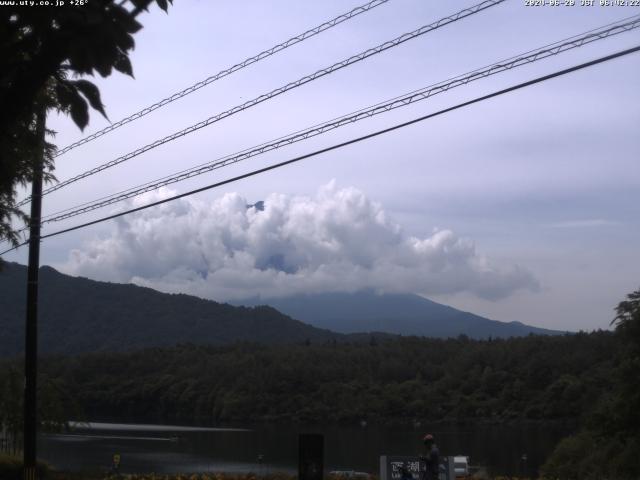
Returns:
(171, 449)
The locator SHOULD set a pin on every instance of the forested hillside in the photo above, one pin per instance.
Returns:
(533, 378)
(81, 315)
(78, 315)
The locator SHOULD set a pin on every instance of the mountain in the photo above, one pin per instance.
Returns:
(403, 314)
(81, 315)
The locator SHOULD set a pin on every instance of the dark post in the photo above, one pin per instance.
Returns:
(311, 457)
(31, 334)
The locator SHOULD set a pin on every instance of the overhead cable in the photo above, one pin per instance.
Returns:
(227, 71)
(344, 144)
(267, 96)
(397, 102)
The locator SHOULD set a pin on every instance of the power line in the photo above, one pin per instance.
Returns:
(267, 96)
(228, 71)
(397, 102)
(349, 142)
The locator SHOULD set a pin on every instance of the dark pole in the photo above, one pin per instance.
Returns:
(31, 334)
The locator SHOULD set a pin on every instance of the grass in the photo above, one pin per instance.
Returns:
(11, 468)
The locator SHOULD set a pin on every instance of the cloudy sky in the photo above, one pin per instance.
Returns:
(525, 207)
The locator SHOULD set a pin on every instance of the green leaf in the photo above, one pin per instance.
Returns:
(79, 110)
(132, 25)
(70, 100)
(104, 68)
(123, 40)
(80, 59)
(64, 95)
(92, 94)
(141, 4)
(123, 64)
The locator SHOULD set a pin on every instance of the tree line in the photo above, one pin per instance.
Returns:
(399, 380)
(589, 379)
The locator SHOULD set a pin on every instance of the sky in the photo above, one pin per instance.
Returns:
(524, 207)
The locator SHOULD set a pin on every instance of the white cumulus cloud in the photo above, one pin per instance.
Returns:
(338, 240)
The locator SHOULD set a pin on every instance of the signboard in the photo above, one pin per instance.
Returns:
(393, 467)
(398, 467)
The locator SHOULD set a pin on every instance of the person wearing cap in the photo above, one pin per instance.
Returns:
(431, 458)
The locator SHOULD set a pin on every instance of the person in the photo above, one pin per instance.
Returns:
(115, 466)
(431, 458)
(405, 474)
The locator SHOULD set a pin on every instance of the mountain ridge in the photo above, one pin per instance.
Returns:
(399, 314)
(78, 315)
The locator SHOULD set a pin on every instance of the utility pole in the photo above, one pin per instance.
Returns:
(31, 333)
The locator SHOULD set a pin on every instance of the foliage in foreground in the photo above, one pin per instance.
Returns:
(205, 476)
(608, 445)
(228, 476)
(11, 468)
(41, 49)
(55, 407)
(221, 476)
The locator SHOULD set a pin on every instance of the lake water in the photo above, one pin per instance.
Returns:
(167, 449)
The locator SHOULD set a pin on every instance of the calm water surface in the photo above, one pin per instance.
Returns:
(167, 449)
